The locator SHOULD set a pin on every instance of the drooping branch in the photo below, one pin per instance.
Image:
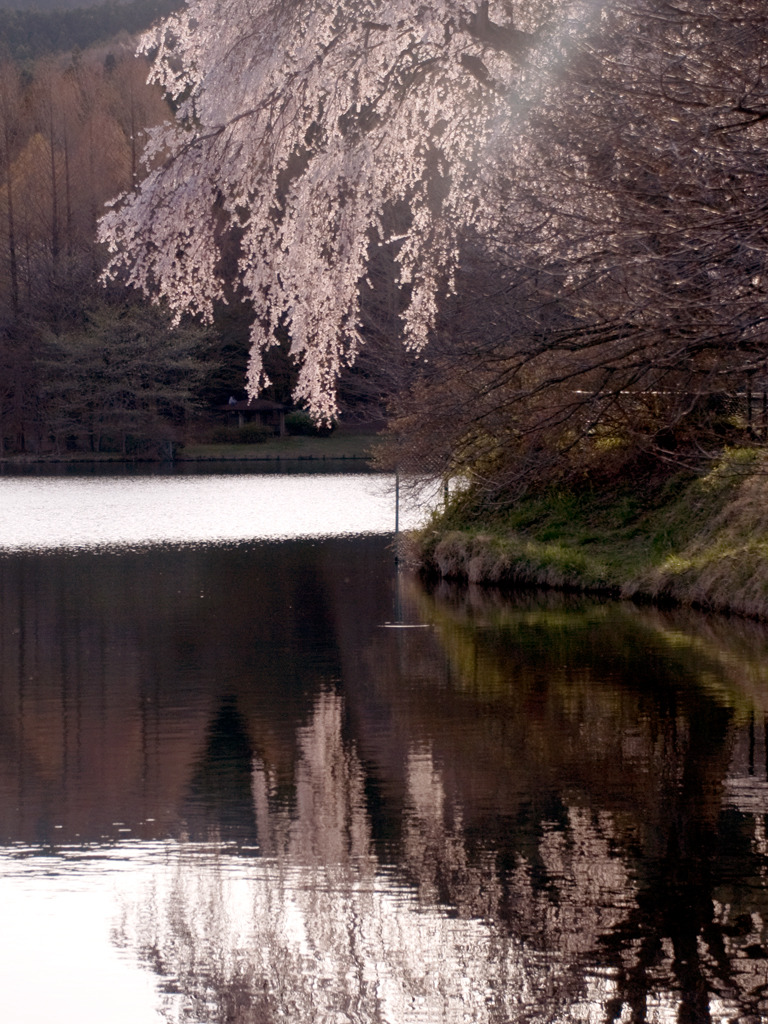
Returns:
(305, 126)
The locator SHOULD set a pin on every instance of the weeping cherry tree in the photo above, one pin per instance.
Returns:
(306, 134)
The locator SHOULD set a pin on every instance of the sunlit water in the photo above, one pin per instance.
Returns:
(229, 794)
(97, 512)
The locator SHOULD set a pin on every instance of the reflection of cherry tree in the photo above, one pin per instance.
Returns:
(435, 853)
(595, 907)
(664, 797)
(327, 823)
(317, 930)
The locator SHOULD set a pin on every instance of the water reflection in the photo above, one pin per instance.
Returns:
(301, 466)
(537, 809)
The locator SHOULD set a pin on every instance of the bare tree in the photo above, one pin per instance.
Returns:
(620, 304)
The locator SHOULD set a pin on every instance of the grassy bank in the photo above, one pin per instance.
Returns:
(337, 446)
(693, 540)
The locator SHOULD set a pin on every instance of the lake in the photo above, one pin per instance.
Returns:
(252, 770)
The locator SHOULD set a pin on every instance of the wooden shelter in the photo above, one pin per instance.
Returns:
(255, 410)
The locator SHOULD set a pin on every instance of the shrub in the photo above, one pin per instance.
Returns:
(254, 433)
(249, 433)
(301, 423)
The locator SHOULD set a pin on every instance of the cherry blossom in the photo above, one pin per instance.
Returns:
(299, 129)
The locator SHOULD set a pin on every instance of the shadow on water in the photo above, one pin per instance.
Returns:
(218, 467)
(220, 790)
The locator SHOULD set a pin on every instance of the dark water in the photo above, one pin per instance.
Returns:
(194, 467)
(232, 791)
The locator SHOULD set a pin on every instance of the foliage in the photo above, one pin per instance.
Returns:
(79, 367)
(119, 380)
(300, 423)
(249, 433)
(70, 135)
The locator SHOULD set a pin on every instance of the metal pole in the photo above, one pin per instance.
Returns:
(397, 515)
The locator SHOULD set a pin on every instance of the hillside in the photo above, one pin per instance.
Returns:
(46, 28)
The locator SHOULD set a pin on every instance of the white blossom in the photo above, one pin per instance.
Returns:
(304, 125)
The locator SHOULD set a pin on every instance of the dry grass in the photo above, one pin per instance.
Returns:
(724, 565)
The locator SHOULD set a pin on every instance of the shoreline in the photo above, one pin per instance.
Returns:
(124, 460)
(700, 542)
(345, 447)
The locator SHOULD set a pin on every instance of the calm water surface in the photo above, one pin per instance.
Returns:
(233, 790)
(96, 511)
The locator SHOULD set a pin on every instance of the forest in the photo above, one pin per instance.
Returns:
(79, 366)
(533, 231)
(84, 367)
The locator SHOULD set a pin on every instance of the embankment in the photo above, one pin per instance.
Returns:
(697, 540)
